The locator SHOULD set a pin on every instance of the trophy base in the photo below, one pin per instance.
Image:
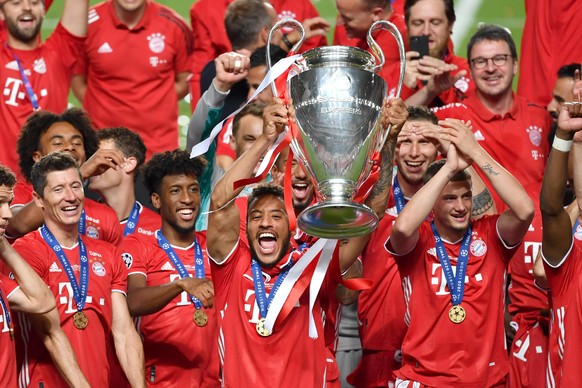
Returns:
(337, 220)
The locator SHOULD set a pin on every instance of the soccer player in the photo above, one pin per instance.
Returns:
(117, 186)
(561, 252)
(169, 279)
(85, 276)
(470, 257)
(211, 40)
(70, 132)
(243, 274)
(355, 17)
(505, 124)
(144, 92)
(35, 75)
(26, 293)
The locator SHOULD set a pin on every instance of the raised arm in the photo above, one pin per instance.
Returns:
(394, 112)
(515, 221)
(75, 17)
(224, 219)
(33, 296)
(128, 345)
(557, 236)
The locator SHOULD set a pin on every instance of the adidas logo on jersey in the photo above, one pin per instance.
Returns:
(479, 136)
(12, 65)
(167, 267)
(105, 48)
(93, 16)
(54, 267)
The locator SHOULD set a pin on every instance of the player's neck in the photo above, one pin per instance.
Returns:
(121, 199)
(408, 189)
(177, 238)
(500, 104)
(129, 18)
(449, 234)
(66, 235)
(20, 45)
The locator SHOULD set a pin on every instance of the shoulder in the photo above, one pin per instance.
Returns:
(30, 241)
(98, 12)
(172, 17)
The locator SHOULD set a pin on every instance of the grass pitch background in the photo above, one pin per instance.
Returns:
(508, 13)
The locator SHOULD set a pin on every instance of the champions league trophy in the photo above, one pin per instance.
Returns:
(337, 99)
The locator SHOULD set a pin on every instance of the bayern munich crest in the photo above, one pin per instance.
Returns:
(156, 42)
(92, 232)
(478, 247)
(578, 233)
(535, 135)
(98, 269)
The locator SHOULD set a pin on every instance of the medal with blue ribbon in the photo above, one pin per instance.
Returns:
(261, 295)
(200, 317)
(82, 227)
(456, 282)
(80, 319)
(25, 81)
(132, 220)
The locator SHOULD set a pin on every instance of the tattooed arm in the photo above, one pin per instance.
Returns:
(483, 203)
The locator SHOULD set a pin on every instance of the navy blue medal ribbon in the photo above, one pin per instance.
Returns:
(260, 293)
(27, 85)
(132, 220)
(398, 195)
(82, 228)
(7, 315)
(198, 262)
(80, 288)
(456, 282)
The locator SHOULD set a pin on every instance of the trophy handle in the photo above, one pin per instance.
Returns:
(289, 23)
(386, 25)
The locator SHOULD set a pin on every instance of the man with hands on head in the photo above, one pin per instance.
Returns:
(238, 269)
(470, 257)
(169, 287)
(561, 252)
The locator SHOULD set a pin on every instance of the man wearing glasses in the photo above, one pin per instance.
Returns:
(508, 127)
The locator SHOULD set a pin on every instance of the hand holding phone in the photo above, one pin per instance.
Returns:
(419, 43)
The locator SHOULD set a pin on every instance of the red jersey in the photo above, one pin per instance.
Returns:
(543, 47)
(299, 362)
(223, 146)
(565, 332)
(147, 223)
(159, 46)
(390, 71)
(177, 352)
(211, 40)
(48, 69)
(521, 134)
(107, 274)
(436, 351)
(7, 352)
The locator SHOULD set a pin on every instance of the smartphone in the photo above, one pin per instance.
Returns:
(419, 43)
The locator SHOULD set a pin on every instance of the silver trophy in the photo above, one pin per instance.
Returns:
(337, 100)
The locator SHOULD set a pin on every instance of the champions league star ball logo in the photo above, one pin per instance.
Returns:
(535, 135)
(478, 248)
(156, 42)
(127, 259)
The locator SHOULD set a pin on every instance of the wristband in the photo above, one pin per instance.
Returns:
(561, 144)
(287, 41)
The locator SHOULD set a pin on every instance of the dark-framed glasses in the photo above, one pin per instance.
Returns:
(498, 60)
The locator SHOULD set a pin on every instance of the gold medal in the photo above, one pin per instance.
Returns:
(457, 314)
(80, 320)
(200, 318)
(261, 329)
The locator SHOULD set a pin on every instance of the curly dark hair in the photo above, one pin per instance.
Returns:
(38, 123)
(263, 190)
(55, 161)
(177, 162)
(7, 177)
(126, 141)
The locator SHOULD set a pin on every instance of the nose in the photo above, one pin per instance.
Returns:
(426, 29)
(490, 66)
(5, 212)
(299, 172)
(553, 105)
(69, 194)
(414, 148)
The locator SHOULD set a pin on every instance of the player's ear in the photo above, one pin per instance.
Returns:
(156, 201)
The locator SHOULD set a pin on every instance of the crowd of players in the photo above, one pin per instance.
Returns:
(162, 268)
